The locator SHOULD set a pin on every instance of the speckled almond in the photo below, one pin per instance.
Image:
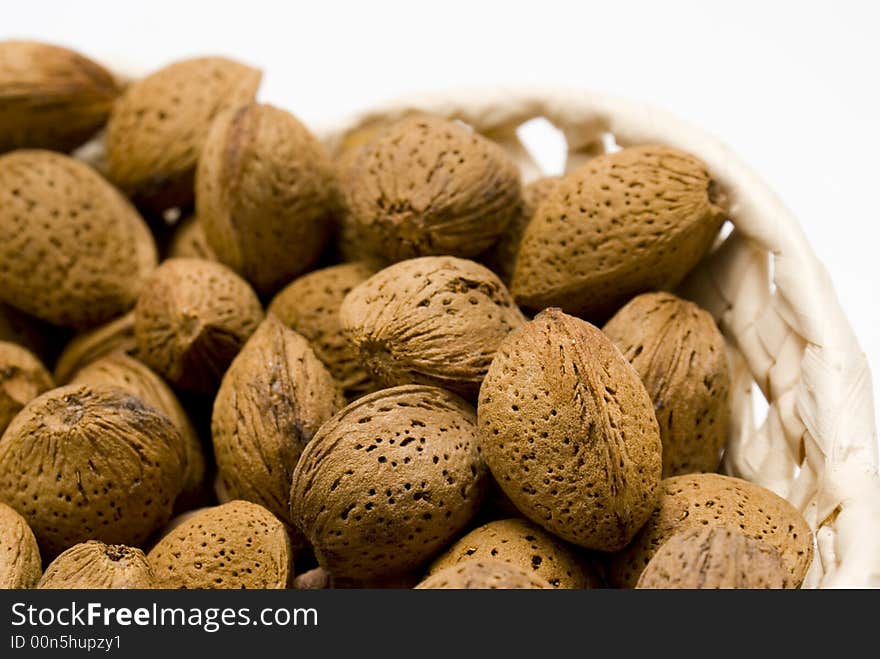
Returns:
(679, 353)
(232, 546)
(434, 320)
(50, 97)
(158, 127)
(700, 500)
(524, 545)
(388, 481)
(120, 370)
(94, 565)
(83, 349)
(713, 557)
(192, 320)
(73, 251)
(271, 403)
(189, 242)
(569, 432)
(501, 257)
(266, 195)
(483, 574)
(310, 305)
(90, 463)
(20, 565)
(622, 224)
(429, 186)
(22, 378)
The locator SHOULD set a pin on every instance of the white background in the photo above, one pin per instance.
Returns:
(794, 87)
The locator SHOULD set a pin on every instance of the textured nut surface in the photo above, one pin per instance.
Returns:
(192, 320)
(310, 305)
(159, 125)
(274, 397)
(50, 97)
(426, 186)
(22, 378)
(679, 353)
(621, 224)
(20, 565)
(501, 258)
(483, 574)
(524, 545)
(73, 251)
(434, 320)
(388, 481)
(266, 195)
(569, 432)
(189, 242)
(695, 500)
(90, 463)
(96, 565)
(715, 557)
(127, 373)
(236, 545)
(83, 349)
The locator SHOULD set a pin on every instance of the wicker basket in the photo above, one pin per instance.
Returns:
(772, 299)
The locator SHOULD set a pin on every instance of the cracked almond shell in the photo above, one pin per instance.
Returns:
(127, 373)
(20, 564)
(90, 463)
(158, 127)
(274, 397)
(699, 500)
(310, 305)
(22, 378)
(569, 432)
(94, 565)
(388, 481)
(679, 354)
(483, 574)
(434, 320)
(50, 97)
(428, 186)
(265, 195)
(622, 224)
(713, 557)
(192, 320)
(232, 546)
(87, 347)
(73, 251)
(525, 545)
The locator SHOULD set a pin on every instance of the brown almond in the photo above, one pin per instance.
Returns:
(127, 373)
(524, 545)
(700, 500)
(483, 574)
(38, 336)
(679, 353)
(73, 251)
(569, 432)
(94, 565)
(22, 378)
(388, 481)
(434, 320)
(90, 463)
(159, 125)
(265, 194)
(274, 397)
(426, 186)
(189, 242)
(310, 305)
(622, 224)
(192, 320)
(715, 557)
(87, 347)
(20, 565)
(236, 545)
(50, 97)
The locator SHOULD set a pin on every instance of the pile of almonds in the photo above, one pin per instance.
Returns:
(232, 359)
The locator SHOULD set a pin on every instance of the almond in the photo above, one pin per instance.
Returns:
(94, 565)
(20, 565)
(483, 574)
(189, 242)
(86, 347)
(22, 378)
